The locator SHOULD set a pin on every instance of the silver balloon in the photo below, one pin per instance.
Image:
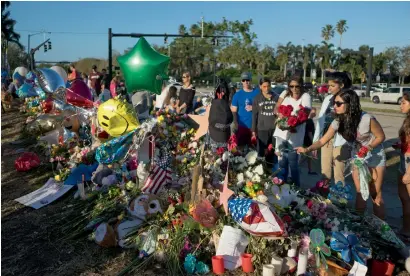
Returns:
(45, 123)
(51, 82)
(62, 106)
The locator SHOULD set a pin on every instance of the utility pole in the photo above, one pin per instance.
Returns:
(369, 71)
(202, 27)
(32, 52)
(29, 37)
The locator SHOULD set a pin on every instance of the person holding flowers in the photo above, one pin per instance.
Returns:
(404, 177)
(365, 136)
(291, 126)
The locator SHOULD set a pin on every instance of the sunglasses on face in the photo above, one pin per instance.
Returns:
(184, 77)
(339, 104)
(245, 80)
(294, 86)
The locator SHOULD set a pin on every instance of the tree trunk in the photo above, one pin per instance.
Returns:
(304, 74)
(284, 71)
(323, 74)
(340, 42)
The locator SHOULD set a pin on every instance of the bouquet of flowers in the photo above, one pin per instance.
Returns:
(359, 161)
(289, 121)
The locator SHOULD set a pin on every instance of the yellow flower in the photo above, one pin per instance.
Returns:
(191, 131)
(120, 217)
(57, 178)
(160, 119)
(184, 160)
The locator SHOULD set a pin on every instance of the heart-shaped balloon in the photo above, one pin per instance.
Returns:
(21, 70)
(50, 81)
(61, 72)
(79, 94)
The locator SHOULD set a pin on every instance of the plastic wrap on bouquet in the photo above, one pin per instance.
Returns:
(384, 230)
(360, 163)
(256, 218)
(340, 192)
(115, 149)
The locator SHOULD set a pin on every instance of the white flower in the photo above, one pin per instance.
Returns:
(262, 198)
(225, 156)
(183, 134)
(218, 161)
(165, 132)
(259, 169)
(251, 157)
(240, 177)
(248, 174)
(256, 178)
(267, 186)
(193, 145)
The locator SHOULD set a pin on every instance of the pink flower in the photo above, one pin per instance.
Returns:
(277, 181)
(309, 204)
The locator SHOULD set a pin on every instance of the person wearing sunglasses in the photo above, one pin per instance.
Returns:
(335, 153)
(295, 97)
(361, 130)
(186, 95)
(241, 108)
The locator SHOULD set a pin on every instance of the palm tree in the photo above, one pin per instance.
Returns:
(7, 32)
(328, 32)
(285, 52)
(324, 55)
(341, 28)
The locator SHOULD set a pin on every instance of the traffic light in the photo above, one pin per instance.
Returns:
(49, 45)
(45, 48)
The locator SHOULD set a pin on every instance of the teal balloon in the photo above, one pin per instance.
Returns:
(40, 93)
(144, 68)
(26, 90)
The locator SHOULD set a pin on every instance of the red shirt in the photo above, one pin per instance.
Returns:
(95, 81)
(405, 144)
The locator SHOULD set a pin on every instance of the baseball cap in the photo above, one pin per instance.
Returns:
(246, 76)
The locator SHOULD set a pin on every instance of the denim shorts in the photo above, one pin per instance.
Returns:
(404, 163)
(378, 158)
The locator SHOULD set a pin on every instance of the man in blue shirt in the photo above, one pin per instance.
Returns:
(241, 108)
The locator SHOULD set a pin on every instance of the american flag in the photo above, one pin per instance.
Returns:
(160, 175)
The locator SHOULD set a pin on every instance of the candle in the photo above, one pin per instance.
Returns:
(247, 263)
(268, 270)
(218, 265)
(293, 249)
(277, 263)
(302, 262)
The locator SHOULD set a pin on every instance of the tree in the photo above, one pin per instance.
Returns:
(328, 32)
(324, 57)
(284, 52)
(404, 63)
(392, 55)
(341, 28)
(8, 35)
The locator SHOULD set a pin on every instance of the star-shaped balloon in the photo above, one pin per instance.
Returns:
(203, 122)
(226, 193)
(144, 68)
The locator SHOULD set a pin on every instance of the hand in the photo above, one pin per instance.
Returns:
(406, 179)
(300, 150)
(254, 134)
(278, 154)
(314, 154)
(248, 108)
(234, 127)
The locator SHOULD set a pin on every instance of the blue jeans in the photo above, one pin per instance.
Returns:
(290, 159)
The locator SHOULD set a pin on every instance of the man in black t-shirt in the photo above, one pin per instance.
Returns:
(186, 95)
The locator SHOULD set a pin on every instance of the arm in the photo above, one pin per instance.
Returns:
(320, 121)
(378, 133)
(280, 101)
(234, 109)
(317, 145)
(306, 100)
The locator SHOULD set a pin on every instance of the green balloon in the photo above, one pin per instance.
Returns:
(144, 68)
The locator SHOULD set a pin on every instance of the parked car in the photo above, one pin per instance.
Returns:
(382, 85)
(278, 89)
(308, 86)
(273, 84)
(323, 88)
(390, 95)
(360, 92)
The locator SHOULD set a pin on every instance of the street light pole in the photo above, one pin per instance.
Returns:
(28, 43)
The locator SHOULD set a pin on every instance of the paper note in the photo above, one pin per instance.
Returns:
(358, 270)
(51, 191)
(232, 245)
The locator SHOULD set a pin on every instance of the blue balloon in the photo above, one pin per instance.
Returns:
(68, 84)
(31, 76)
(17, 76)
(50, 81)
(40, 93)
(77, 173)
(26, 90)
(4, 74)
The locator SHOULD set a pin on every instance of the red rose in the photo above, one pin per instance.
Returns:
(270, 147)
(220, 151)
(363, 152)
(285, 110)
(253, 140)
(286, 218)
(309, 204)
(302, 116)
(292, 121)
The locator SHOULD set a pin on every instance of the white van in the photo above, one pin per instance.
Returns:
(390, 95)
(381, 84)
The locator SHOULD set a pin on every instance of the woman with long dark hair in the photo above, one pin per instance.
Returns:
(296, 97)
(404, 177)
(360, 130)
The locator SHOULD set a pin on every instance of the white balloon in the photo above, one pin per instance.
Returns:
(61, 72)
(21, 70)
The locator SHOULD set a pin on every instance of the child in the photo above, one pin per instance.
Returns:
(310, 130)
(170, 102)
(105, 94)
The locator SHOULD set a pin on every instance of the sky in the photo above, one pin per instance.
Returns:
(80, 29)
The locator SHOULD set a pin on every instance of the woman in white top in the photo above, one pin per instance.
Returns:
(295, 97)
(335, 153)
(360, 130)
